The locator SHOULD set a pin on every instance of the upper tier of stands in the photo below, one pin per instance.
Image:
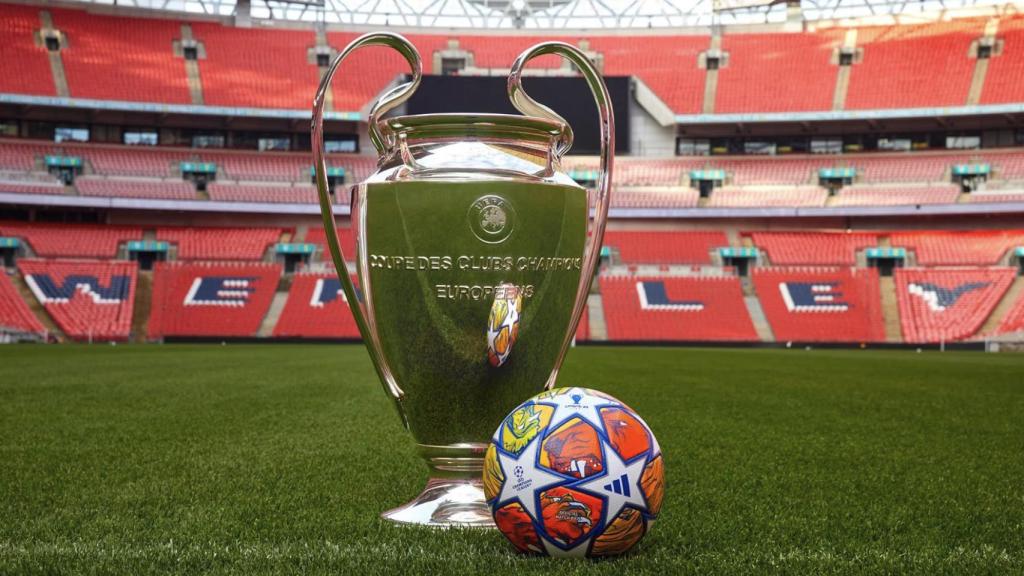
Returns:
(211, 299)
(665, 247)
(88, 299)
(948, 305)
(821, 304)
(15, 315)
(132, 58)
(973, 247)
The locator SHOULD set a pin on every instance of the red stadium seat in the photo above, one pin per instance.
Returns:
(813, 248)
(1013, 322)
(316, 308)
(135, 188)
(89, 300)
(690, 247)
(211, 299)
(948, 305)
(821, 304)
(896, 195)
(72, 240)
(220, 243)
(298, 194)
(977, 247)
(699, 308)
(15, 315)
(26, 66)
(1004, 80)
(768, 196)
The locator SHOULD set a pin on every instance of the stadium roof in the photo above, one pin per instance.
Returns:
(550, 14)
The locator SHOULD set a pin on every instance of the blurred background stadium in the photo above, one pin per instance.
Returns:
(788, 172)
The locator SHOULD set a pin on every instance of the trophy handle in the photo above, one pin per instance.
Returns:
(595, 229)
(383, 141)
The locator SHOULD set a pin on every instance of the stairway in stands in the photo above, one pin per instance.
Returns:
(143, 305)
(890, 310)
(276, 307)
(595, 316)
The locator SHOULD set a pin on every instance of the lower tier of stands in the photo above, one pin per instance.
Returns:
(15, 315)
(696, 308)
(948, 305)
(821, 304)
(316, 308)
(211, 299)
(88, 299)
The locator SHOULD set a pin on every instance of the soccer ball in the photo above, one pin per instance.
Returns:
(574, 472)
(503, 326)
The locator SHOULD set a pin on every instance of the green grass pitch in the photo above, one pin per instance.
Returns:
(278, 459)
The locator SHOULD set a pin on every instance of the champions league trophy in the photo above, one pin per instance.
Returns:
(475, 254)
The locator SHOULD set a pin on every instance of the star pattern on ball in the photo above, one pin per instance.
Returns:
(552, 549)
(620, 484)
(524, 479)
(575, 402)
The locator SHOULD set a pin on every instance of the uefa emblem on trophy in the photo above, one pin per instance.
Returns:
(474, 257)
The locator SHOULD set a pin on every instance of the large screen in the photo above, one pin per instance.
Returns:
(569, 96)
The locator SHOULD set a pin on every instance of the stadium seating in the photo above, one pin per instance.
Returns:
(111, 58)
(1004, 81)
(778, 72)
(896, 195)
(303, 193)
(135, 188)
(26, 66)
(145, 161)
(997, 196)
(72, 240)
(948, 305)
(768, 197)
(211, 299)
(31, 187)
(652, 197)
(315, 235)
(813, 248)
(914, 66)
(666, 64)
(974, 247)
(1013, 322)
(583, 329)
(89, 299)
(277, 75)
(821, 304)
(220, 243)
(15, 315)
(316, 308)
(698, 308)
(653, 247)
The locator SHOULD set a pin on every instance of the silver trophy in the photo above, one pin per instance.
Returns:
(474, 255)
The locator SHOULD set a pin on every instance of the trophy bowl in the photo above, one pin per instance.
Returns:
(474, 257)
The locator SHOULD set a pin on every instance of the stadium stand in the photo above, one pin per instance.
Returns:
(896, 195)
(1013, 322)
(821, 304)
(697, 308)
(220, 243)
(583, 328)
(653, 247)
(794, 69)
(135, 188)
(278, 75)
(302, 193)
(813, 248)
(29, 187)
(110, 160)
(15, 314)
(315, 235)
(26, 65)
(958, 248)
(72, 240)
(211, 299)
(768, 197)
(1004, 81)
(997, 196)
(106, 59)
(316, 308)
(653, 197)
(89, 299)
(948, 305)
(666, 64)
(914, 66)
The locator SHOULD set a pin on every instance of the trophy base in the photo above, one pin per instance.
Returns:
(454, 495)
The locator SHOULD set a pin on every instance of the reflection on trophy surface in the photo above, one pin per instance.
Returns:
(474, 255)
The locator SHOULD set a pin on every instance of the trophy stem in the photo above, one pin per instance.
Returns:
(454, 495)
